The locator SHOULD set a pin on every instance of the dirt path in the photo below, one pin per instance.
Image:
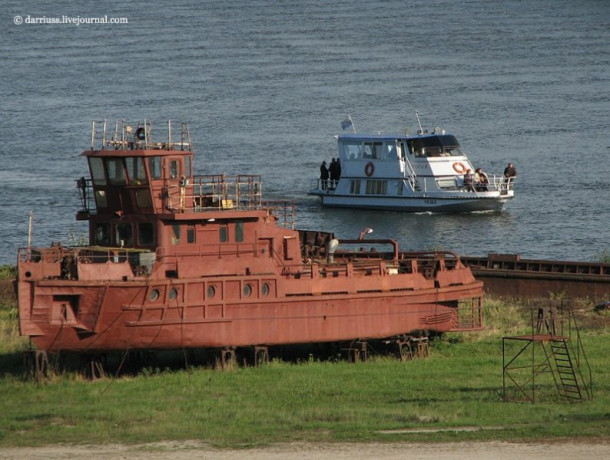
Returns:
(413, 451)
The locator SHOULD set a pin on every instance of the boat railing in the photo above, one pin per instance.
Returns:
(224, 192)
(122, 135)
(410, 175)
(323, 185)
(87, 197)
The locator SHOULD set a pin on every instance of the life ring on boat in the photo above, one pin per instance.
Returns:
(459, 167)
(369, 169)
(140, 133)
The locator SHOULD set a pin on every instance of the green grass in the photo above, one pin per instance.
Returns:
(459, 385)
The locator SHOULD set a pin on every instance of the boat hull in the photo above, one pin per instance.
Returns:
(116, 316)
(441, 204)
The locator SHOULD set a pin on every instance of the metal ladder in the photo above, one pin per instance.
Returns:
(568, 384)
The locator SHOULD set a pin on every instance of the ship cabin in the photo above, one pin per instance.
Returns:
(144, 203)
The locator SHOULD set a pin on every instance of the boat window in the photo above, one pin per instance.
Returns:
(190, 234)
(224, 233)
(100, 199)
(376, 187)
(101, 234)
(435, 146)
(373, 150)
(154, 165)
(176, 234)
(354, 187)
(124, 236)
(146, 234)
(239, 231)
(136, 170)
(351, 150)
(173, 169)
(143, 198)
(97, 171)
(116, 171)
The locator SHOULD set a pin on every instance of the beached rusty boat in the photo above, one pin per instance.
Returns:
(176, 260)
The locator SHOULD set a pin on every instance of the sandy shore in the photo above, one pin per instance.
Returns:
(292, 451)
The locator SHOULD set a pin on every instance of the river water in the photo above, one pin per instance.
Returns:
(265, 85)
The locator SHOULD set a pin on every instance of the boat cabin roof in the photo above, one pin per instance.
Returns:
(447, 140)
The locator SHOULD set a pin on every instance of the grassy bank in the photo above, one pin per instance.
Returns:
(460, 385)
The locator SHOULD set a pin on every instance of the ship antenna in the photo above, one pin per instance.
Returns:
(30, 231)
(419, 122)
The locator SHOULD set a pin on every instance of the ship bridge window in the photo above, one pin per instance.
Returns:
(373, 150)
(173, 169)
(101, 234)
(100, 199)
(124, 235)
(154, 165)
(435, 146)
(97, 171)
(136, 170)
(351, 150)
(116, 171)
(146, 236)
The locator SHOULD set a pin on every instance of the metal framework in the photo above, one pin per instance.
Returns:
(548, 354)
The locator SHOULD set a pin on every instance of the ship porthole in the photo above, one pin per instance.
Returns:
(211, 292)
(154, 295)
(265, 289)
(173, 294)
(247, 290)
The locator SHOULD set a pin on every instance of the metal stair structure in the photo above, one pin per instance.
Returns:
(554, 347)
(568, 381)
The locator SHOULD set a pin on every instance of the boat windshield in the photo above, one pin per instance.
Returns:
(434, 146)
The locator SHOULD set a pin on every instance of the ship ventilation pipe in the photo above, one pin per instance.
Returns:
(332, 247)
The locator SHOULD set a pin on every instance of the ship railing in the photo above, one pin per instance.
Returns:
(283, 210)
(87, 197)
(323, 185)
(225, 192)
(122, 135)
(497, 183)
(410, 175)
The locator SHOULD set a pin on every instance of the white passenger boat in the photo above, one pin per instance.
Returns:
(419, 173)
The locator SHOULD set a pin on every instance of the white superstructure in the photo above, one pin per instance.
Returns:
(426, 172)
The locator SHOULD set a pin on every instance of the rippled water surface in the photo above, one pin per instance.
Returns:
(265, 85)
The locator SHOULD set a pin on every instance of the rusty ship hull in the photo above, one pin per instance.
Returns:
(176, 260)
(121, 315)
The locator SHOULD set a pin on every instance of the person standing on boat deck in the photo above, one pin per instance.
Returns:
(323, 175)
(510, 172)
(481, 181)
(332, 172)
(469, 181)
